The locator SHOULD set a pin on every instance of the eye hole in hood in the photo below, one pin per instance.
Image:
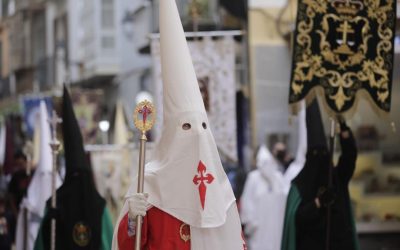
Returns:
(186, 126)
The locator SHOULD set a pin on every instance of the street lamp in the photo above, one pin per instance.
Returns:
(104, 126)
(143, 95)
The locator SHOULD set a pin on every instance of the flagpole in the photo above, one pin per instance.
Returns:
(145, 109)
(332, 140)
(55, 146)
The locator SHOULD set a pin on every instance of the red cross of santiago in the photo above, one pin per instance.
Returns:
(145, 111)
(201, 179)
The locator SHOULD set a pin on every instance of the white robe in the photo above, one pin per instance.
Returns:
(263, 201)
(32, 207)
(29, 221)
(263, 209)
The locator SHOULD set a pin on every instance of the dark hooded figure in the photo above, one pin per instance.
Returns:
(306, 216)
(82, 220)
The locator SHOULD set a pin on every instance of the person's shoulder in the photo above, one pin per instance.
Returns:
(253, 174)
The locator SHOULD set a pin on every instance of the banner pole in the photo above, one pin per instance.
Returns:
(332, 140)
(55, 147)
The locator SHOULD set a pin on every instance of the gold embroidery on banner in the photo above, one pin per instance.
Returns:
(342, 87)
(184, 232)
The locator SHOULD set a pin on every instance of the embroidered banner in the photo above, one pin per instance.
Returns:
(31, 106)
(214, 63)
(87, 106)
(344, 46)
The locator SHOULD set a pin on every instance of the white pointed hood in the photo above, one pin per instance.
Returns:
(186, 178)
(39, 190)
(269, 169)
(181, 92)
(265, 158)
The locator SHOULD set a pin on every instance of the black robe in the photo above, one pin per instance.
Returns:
(305, 224)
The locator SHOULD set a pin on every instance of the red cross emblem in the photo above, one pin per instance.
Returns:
(145, 111)
(201, 179)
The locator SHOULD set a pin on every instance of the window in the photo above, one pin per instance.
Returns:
(107, 14)
(107, 42)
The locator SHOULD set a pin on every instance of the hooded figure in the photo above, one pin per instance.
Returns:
(2, 144)
(309, 197)
(82, 220)
(264, 197)
(39, 190)
(190, 202)
(3, 178)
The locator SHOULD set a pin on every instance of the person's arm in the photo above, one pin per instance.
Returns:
(308, 212)
(126, 228)
(298, 163)
(127, 233)
(347, 160)
(247, 204)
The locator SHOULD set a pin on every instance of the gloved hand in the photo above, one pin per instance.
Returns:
(345, 131)
(326, 196)
(343, 125)
(138, 205)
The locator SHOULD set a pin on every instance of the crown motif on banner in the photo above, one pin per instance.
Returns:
(347, 7)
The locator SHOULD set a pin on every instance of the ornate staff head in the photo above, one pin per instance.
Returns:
(144, 116)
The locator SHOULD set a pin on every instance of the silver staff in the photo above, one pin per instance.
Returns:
(147, 112)
(55, 147)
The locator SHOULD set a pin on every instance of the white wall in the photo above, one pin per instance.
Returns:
(132, 63)
(75, 36)
(271, 66)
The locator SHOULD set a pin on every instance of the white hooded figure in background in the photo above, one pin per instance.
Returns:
(263, 201)
(32, 207)
(189, 203)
